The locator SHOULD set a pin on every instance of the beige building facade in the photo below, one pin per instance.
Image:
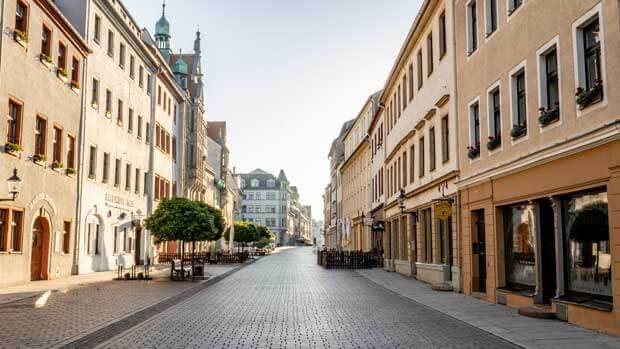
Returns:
(540, 171)
(421, 163)
(42, 64)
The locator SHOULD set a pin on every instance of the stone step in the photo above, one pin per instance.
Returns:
(537, 312)
(443, 287)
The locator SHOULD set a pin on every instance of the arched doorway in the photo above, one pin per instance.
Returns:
(39, 255)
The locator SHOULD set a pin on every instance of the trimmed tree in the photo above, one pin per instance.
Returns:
(265, 236)
(245, 232)
(180, 219)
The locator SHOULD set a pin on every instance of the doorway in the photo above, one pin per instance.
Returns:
(479, 265)
(40, 249)
(547, 245)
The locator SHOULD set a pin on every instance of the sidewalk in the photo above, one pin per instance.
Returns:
(48, 313)
(499, 320)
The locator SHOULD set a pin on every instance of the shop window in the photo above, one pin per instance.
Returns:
(426, 226)
(588, 249)
(519, 230)
(445, 233)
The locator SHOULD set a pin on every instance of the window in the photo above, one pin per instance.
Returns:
(148, 133)
(97, 31)
(429, 54)
(174, 148)
(40, 136)
(411, 81)
(443, 45)
(16, 230)
(92, 162)
(46, 43)
(117, 173)
(495, 115)
(474, 125)
(519, 99)
(14, 123)
(132, 66)
(139, 126)
(149, 88)
(431, 141)
(128, 177)
(491, 16)
(254, 183)
(146, 181)
(588, 248)
(106, 168)
(119, 114)
(426, 227)
(66, 238)
(95, 94)
(551, 90)
(404, 168)
(411, 163)
(592, 54)
(472, 28)
(137, 181)
(75, 72)
(158, 95)
(404, 85)
(513, 5)
(124, 240)
(420, 71)
(4, 229)
(110, 43)
(141, 76)
(57, 145)
(121, 56)
(70, 152)
(62, 58)
(108, 103)
(21, 18)
(519, 244)
(445, 138)
(115, 240)
(421, 157)
(130, 121)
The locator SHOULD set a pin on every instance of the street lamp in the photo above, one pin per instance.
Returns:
(401, 201)
(15, 185)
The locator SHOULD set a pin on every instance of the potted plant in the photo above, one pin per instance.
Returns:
(39, 157)
(46, 59)
(71, 171)
(20, 37)
(586, 97)
(473, 151)
(12, 147)
(62, 74)
(75, 85)
(494, 142)
(550, 115)
(518, 130)
(57, 165)
(108, 114)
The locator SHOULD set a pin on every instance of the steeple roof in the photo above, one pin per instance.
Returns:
(162, 27)
(282, 176)
(180, 67)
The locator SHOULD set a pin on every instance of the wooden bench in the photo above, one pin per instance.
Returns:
(180, 273)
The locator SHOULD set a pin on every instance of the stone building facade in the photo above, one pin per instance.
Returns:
(540, 181)
(42, 67)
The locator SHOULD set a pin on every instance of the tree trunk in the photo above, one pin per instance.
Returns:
(193, 261)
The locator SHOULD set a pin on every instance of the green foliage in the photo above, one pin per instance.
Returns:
(180, 219)
(217, 230)
(265, 233)
(245, 232)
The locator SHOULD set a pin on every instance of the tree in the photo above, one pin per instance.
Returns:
(265, 237)
(181, 219)
(217, 230)
(245, 232)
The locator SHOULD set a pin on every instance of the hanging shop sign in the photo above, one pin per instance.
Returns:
(443, 210)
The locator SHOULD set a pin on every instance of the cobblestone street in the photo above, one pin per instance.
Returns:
(286, 300)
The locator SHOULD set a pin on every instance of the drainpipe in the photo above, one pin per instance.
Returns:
(151, 166)
(75, 268)
(1, 36)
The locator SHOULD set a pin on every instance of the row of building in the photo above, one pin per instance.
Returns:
(102, 121)
(488, 163)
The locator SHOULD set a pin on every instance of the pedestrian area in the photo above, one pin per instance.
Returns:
(496, 319)
(51, 313)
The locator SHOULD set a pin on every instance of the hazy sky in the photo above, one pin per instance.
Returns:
(285, 74)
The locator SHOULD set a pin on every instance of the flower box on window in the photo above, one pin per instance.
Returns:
(494, 142)
(473, 151)
(518, 131)
(70, 171)
(39, 158)
(20, 37)
(108, 114)
(75, 86)
(62, 74)
(587, 97)
(46, 59)
(56, 165)
(548, 116)
(12, 148)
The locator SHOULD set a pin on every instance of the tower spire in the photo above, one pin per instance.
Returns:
(163, 8)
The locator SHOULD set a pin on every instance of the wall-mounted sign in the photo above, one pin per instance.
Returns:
(368, 221)
(443, 210)
(378, 226)
(118, 202)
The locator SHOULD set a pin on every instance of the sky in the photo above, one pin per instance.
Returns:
(285, 74)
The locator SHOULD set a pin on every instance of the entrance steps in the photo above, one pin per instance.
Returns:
(537, 312)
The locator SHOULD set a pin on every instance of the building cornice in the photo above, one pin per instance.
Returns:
(577, 144)
(64, 25)
(398, 145)
(356, 152)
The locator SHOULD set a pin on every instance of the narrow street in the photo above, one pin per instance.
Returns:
(286, 300)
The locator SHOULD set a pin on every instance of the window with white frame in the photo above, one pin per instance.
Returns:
(491, 16)
(474, 125)
(549, 81)
(513, 5)
(588, 41)
(518, 94)
(472, 27)
(495, 115)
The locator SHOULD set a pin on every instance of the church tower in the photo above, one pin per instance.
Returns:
(162, 35)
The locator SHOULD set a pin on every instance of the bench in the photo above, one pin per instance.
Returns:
(180, 273)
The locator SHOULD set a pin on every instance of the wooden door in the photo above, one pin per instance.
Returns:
(40, 249)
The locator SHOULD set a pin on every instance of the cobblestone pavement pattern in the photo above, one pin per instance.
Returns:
(78, 311)
(287, 301)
